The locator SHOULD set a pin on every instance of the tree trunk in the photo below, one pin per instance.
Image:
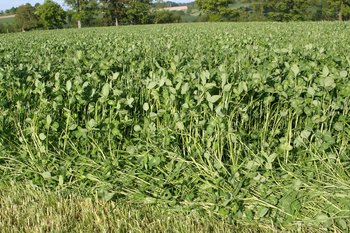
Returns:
(116, 22)
(79, 21)
(341, 11)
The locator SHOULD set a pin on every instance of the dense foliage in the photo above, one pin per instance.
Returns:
(275, 10)
(26, 17)
(88, 13)
(249, 121)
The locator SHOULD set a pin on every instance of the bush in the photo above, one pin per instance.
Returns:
(166, 17)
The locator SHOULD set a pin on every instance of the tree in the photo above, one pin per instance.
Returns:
(85, 10)
(115, 9)
(51, 14)
(11, 11)
(217, 10)
(138, 11)
(337, 9)
(213, 6)
(288, 10)
(165, 16)
(26, 18)
(76, 5)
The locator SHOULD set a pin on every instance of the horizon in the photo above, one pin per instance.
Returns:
(5, 5)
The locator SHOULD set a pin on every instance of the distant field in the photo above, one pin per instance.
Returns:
(8, 19)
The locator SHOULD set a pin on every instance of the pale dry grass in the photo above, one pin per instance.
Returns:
(25, 209)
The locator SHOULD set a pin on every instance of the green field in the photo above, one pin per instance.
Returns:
(240, 123)
(5, 20)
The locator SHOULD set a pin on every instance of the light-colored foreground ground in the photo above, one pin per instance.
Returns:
(26, 209)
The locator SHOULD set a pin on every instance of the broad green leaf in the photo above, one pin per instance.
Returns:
(295, 69)
(219, 112)
(338, 126)
(154, 161)
(343, 224)
(149, 200)
(180, 125)
(214, 98)
(60, 180)
(146, 107)
(209, 86)
(227, 87)
(305, 134)
(68, 85)
(329, 81)
(108, 196)
(79, 54)
(152, 85)
(286, 147)
(242, 86)
(46, 175)
(322, 218)
(105, 90)
(205, 75)
(42, 136)
(343, 73)
(92, 123)
(184, 88)
(48, 120)
(115, 76)
(325, 71)
(129, 101)
(272, 157)
(262, 211)
(311, 91)
(137, 128)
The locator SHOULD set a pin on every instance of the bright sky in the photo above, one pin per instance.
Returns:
(7, 4)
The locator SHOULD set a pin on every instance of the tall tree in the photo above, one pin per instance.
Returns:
(51, 14)
(338, 8)
(11, 11)
(138, 11)
(26, 18)
(217, 9)
(115, 9)
(288, 10)
(84, 9)
(76, 5)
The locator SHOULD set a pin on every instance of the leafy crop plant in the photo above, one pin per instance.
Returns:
(248, 121)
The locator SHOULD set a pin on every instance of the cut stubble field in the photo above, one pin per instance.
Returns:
(222, 125)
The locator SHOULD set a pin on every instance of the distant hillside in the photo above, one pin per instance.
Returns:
(7, 19)
(173, 4)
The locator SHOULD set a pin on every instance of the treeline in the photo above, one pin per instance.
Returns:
(10, 11)
(274, 10)
(88, 13)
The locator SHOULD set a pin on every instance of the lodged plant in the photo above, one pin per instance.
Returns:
(246, 120)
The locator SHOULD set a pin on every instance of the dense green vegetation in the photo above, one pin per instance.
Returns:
(7, 20)
(246, 121)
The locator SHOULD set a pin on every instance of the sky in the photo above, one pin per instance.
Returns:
(7, 4)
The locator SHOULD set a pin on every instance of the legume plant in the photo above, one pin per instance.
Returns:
(249, 121)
